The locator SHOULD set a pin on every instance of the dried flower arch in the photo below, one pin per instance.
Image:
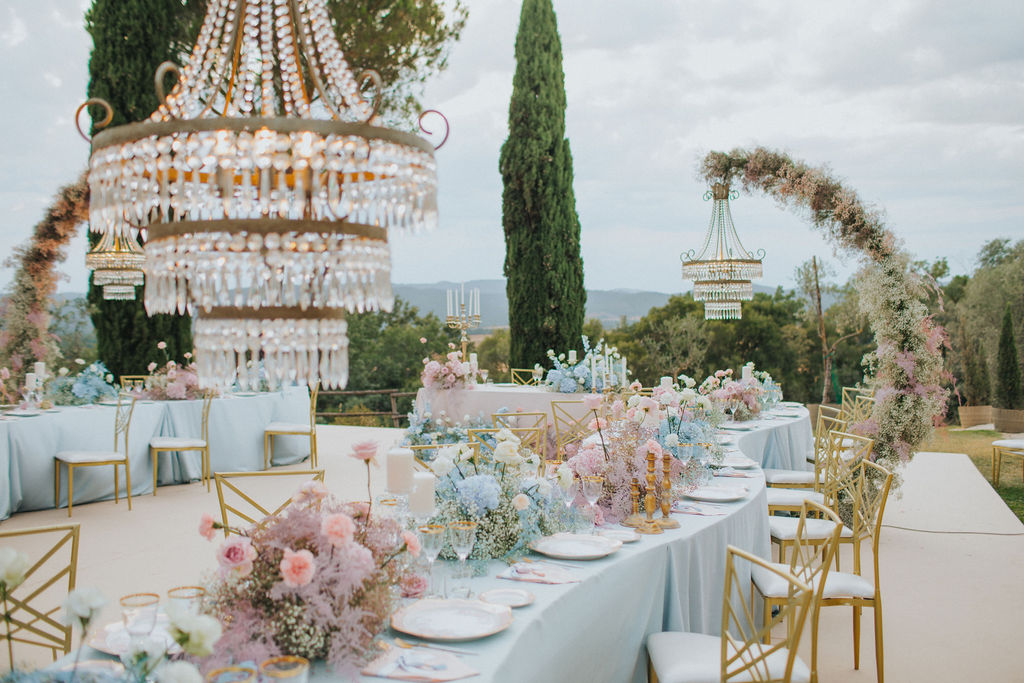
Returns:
(908, 361)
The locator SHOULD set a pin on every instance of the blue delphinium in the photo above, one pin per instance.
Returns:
(479, 493)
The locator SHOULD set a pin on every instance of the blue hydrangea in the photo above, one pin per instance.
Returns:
(479, 494)
(91, 383)
(568, 385)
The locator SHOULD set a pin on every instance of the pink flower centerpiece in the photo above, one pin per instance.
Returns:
(446, 373)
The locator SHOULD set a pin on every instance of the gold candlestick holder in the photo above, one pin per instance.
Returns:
(463, 317)
(634, 520)
(666, 521)
(648, 525)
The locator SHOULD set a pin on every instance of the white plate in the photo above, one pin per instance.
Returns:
(575, 546)
(624, 535)
(738, 462)
(24, 413)
(791, 404)
(717, 494)
(451, 620)
(511, 597)
(736, 427)
(107, 402)
(245, 394)
(114, 640)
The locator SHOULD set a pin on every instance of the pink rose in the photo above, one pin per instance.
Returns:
(360, 509)
(520, 501)
(161, 345)
(647, 403)
(151, 367)
(206, 528)
(592, 401)
(366, 451)
(652, 446)
(413, 586)
(236, 555)
(176, 390)
(719, 374)
(310, 492)
(338, 528)
(297, 568)
(635, 386)
(5, 373)
(412, 543)
(598, 424)
(618, 407)
(423, 340)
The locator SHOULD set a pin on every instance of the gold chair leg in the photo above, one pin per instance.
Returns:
(856, 637)
(999, 466)
(71, 486)
(154, 454)
(814, 642)
(312, 449)
(994, 477)
(56, 488)
(128, 479)
(266, 449)
(117, 486)
(766, 619)
(206, 467)
(879, 661)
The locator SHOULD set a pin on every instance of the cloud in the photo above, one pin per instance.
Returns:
(16, 32)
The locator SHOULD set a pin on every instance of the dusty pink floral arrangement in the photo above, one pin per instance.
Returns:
(446, 373)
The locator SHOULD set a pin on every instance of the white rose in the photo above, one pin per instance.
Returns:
(13, 565)
(704, 403)
(544, 487)
(80, 361)
(196, 633)
(464, 452)
(633, 401)
(665, 398)
(507, 453)
(672, 440)
(505, 434)
(441, 466)
(521, 501)
(178, 672)
(83, 605)
(110, 378)
(144, 656)
(561, 356)
(687, 396)
(565, 476)
(450, 452)
(62, 372)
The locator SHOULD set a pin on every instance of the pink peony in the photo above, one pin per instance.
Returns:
(592, 401)
(647, 404)
(412, 543)
(413, 585)
(236, 555)
(310, 492)
(206, 528)
(161, 345)
(297, 568)
(423, 340)
(151, 367)
(597, 424)
(360, 509)
(652, 446)
(635, 386)
(366, 451)
(176, 390)
(338, 528)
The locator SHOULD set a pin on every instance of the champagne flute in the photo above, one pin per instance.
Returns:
(593, 487)
(138, 612)
(432, 540)
(463, 536)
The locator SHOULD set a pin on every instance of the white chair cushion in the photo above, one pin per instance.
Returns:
(170, 442)
(297, 427)
(784, 528)
(1017, 444)
(788, 476)
(696, 658)
(837, 584)
(80, 457)
(793, 497)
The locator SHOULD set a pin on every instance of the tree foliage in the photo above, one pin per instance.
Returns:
(543, 266)
(1008, 387)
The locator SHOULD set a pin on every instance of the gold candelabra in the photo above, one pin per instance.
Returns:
(634, 520)
(463, 316)
(666, 522)
(648, 525)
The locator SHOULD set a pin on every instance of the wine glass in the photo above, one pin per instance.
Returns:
(285, 669)
(232, 674)
(483, 375)
(432, 540)
(138, 612)
(186, 599)
(462, 536)
(593, 487)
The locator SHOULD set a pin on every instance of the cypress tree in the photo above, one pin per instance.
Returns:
(543, 266)
(1008, 388)
(130, 40)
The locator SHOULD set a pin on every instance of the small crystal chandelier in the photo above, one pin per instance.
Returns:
(116, 263)
(723, 269)
(265, 193)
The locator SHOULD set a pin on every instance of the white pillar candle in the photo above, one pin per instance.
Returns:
(448, 296)
(572, 356)
(421, 500)
(623, 373)
(400, 470)
(747, 372)
(462, 298)
(30, 381)
(666, 382)
(593, 374)
(40, 369)
(472, 359)
(466, 368)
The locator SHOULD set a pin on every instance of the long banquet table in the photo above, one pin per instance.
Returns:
(28, 444)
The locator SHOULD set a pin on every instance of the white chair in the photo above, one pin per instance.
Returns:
(739, 653)
(293, 429)
(178, 444)
(1005, 447)
(71, 459)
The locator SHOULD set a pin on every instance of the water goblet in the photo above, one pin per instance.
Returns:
(138, 612)
(593, 487)
(186, 599)
(462, 536)
(232, 674)
(285, 669)
(432, 540)
(483, 375)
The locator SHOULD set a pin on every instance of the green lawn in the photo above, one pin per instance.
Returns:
(978, 446)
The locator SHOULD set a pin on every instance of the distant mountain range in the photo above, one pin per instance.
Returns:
(607, 305)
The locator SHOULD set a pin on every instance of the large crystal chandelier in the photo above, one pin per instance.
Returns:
(723, 269)
(116, 263)
(265, 192)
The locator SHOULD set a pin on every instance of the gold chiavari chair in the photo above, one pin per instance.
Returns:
(538, 421)
(740, 653)
(809, 562)
(424, 453)
(134, 382)
(869, 491)
(848, 404)
(826, 422)
(179, 444)
(1014, 447)
(238, 494)
(524, 377)
(838, 480)
(571, 420)
(71, 459)
(32, 609)
(293, 429)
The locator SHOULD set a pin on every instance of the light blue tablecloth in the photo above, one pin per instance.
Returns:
(779, 442)
(28, 444)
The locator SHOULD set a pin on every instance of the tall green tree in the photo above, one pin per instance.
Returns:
(543, 266)
(130, 40)
(1008, 389)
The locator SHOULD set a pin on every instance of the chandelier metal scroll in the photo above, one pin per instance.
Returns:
(267, 193)
(723, 269)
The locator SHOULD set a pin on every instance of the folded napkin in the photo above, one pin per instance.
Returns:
(418, 665)
(536, 572)
(730, 472)
(692, 509)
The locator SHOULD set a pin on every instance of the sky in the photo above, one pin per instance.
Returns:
(916, 105)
